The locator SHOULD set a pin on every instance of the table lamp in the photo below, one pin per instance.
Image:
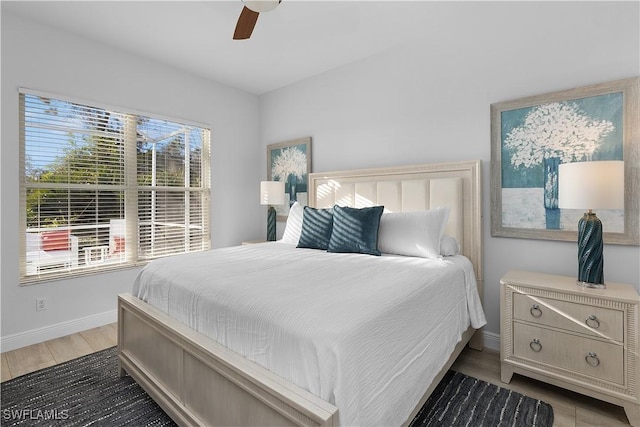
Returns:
(271, 193)
(591, 185)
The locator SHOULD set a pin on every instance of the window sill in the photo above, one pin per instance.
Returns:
(94, 270)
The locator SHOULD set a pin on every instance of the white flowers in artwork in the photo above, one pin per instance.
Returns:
(291, 161)
(558, 129)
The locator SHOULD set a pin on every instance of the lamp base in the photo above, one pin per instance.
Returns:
(591, 285)
(271, 224)
(590, 259)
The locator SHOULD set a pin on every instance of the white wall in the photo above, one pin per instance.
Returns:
(38, 57)
(429, 101)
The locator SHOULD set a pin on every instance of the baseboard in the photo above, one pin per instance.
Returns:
(491, 340)
(58, 330)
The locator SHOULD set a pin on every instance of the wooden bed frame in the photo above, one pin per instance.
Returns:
(200, 382)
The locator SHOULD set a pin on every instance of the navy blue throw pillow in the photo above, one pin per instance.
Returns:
(355, 230)
(316, 228)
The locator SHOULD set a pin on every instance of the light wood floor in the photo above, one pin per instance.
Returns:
(31, 358)
(570, 409)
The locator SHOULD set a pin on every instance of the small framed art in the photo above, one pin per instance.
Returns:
(290, 161)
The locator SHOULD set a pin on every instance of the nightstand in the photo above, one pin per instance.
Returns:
(252, 242)
(581, 339)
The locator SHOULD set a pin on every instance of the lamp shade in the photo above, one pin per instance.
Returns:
(591, 185)
(272, 192)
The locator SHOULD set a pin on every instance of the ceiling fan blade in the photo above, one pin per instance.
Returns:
(246, 23)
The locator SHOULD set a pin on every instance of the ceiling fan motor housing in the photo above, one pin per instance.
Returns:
(261, 5)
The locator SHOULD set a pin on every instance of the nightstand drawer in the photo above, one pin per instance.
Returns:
(590, 320)
(597, 359)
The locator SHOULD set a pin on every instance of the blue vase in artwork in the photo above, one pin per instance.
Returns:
(292, 188)
(552, 213)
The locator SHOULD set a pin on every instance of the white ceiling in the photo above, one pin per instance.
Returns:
(297, 40)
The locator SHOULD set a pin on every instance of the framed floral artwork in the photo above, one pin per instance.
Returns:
(290, 161)
(531, 137)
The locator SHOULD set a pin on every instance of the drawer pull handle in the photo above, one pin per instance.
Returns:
(592, 359)
(535, 310)
(592, 322)
(535, 345)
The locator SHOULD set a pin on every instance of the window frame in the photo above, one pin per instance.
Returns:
(130, 188)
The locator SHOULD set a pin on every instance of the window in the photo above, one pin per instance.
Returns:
(103, 189)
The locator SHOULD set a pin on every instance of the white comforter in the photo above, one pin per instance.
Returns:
(367, 334)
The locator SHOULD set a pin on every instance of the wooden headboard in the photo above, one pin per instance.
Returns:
(412, 188)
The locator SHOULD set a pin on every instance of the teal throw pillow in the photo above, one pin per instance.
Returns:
(355, 230)
(316, 228)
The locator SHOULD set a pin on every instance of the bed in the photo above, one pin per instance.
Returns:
(319, 368)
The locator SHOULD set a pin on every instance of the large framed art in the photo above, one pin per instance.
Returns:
(531, 137)
(290, 161)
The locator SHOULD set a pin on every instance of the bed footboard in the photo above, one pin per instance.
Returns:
(200, 382)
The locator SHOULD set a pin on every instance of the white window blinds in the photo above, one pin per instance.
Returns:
(103, 189)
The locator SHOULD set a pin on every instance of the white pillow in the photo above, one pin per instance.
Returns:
(413, 233)
(293, 228)
(449, 246)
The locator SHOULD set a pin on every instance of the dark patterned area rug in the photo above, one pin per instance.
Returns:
(460, 400)
(88, 392)
(81, 392)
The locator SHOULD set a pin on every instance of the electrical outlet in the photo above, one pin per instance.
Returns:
(41, 304)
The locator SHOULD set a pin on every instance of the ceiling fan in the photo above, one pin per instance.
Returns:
(249, 16)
